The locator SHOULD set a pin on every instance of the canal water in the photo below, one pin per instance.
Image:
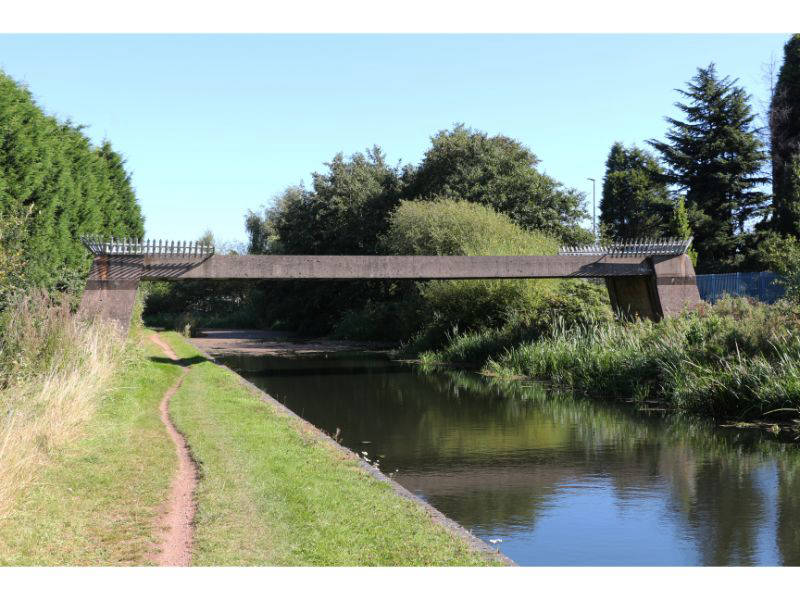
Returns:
(550, 478)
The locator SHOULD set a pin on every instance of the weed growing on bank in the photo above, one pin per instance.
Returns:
(53, 370)
(738, 359)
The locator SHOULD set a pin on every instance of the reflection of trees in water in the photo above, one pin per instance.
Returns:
(720, 501)
(789, 510)
(713, 478)
(494, 452)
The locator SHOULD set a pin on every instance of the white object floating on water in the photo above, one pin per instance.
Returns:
(495, 541)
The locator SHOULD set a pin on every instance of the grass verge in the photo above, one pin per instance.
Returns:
(273, 493)
(95, 500)
(53, 370)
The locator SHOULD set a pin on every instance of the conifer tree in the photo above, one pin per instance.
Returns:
(715, 157)
(123, 205)
(635, 201)
(51, 172)
(784, 123)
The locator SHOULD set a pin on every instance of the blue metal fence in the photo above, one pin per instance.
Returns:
(762, 286)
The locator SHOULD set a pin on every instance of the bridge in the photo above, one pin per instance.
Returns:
(645, 278)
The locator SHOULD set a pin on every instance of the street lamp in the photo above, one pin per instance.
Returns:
(594, 211)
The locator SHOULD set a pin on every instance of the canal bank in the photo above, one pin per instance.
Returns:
(549, 477)
(271, 490)
(271, 344)
(275, 490)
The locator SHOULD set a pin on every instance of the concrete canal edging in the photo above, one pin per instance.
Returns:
(436, 516)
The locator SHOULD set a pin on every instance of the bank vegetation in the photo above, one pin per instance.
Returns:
(738, 359)
(54, 370)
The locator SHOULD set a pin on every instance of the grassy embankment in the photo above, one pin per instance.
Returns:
(273, 492)
(94, 454)
(736, 360)
(98, 465)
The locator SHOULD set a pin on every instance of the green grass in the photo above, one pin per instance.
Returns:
(95, 501)
(272, 493)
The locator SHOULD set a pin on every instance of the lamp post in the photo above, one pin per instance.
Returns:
(594, 210)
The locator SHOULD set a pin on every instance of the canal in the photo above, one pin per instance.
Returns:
(550, 478)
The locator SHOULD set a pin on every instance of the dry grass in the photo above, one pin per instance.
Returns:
(54, 371)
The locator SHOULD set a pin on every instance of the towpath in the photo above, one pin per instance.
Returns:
(175, 546)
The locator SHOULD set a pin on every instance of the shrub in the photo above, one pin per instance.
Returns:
(447, 226)
(209, 303)
(389, 320)
(782, 254)
(13, 234)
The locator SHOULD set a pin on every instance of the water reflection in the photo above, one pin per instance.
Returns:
(560, 479)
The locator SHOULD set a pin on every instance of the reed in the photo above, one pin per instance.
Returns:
(738, 359)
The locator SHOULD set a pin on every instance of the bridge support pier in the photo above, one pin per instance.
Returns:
(111, 289)
(670, 289)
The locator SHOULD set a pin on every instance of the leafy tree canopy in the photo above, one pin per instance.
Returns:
(348, 207)
(500, 172)
(344, 212)
(51, 172)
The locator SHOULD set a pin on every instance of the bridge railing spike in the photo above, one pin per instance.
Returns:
(638, 246)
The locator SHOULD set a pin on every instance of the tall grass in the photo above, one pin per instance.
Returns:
(738, 359)
(53, 370)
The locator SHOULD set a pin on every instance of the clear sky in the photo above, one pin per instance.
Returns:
(212, 126)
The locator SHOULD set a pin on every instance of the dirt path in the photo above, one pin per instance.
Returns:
(175, 546)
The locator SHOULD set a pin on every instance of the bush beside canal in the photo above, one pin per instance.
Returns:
(737, 359)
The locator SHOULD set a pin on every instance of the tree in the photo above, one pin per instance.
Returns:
(13, 231)
(715, 157)
(635, 202)
(499, 172)
(680, 228)
(51, 172)
(122, 204)
(348, 207)
(784, 123)
(262, 232)
(782, 255)
(344, 213)
(446, 226)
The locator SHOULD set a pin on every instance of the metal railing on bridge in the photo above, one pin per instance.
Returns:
(137, 247)
(638, 247)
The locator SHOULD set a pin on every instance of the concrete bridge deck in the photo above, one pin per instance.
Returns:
(648, 280)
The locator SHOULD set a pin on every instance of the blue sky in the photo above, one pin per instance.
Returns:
(212, 126)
